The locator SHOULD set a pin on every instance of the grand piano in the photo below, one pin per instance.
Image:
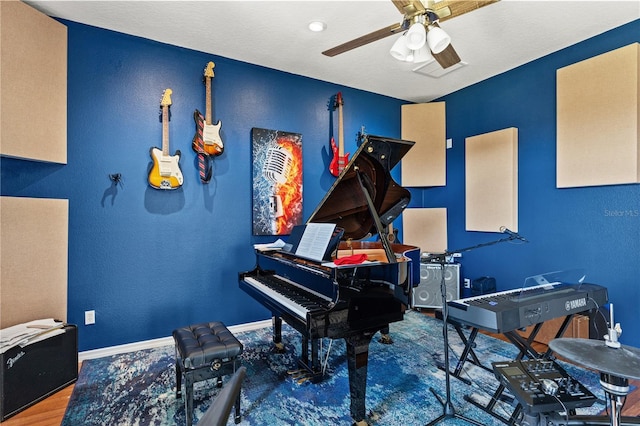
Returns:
(320, 298)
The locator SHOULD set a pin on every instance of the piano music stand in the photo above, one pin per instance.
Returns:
(448, 409)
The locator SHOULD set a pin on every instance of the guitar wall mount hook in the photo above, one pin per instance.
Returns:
(116, 178)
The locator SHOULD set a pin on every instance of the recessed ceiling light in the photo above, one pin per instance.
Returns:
(317, 26)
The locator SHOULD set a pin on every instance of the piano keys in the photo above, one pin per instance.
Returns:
(320, 299)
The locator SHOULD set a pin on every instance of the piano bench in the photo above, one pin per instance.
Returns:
(204, 351)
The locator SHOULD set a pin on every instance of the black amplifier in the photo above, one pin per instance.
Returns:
(33, 372)
(542, 386)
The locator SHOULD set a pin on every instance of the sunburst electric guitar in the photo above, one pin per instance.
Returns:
(165, 173)
(340, 159)
(207, 137)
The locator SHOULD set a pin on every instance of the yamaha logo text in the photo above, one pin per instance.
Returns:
(575, 304)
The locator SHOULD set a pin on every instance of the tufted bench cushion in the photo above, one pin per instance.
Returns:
(201, 344)
(204, 351)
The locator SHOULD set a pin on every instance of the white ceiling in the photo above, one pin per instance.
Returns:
(274, 34)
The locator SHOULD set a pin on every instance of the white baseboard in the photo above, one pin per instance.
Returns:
(163, 341)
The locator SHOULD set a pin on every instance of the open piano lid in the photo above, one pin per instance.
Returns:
(367, 175)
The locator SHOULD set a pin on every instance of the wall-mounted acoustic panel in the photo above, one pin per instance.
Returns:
(425, 228)
(33, 84)
(425, 164)
(428, 293)
(33, 259)
(491, 181)
(599, 120)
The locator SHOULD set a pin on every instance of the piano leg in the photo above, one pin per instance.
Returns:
(357, 362)
(277, 334)
(315, 361)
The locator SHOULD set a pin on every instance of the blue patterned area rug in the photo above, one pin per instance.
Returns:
(139, 388)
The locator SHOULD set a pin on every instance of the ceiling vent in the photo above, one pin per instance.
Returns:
(434, 70)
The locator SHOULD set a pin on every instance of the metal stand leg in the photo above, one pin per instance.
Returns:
(448, 409)
(468, 354)
(615, 388)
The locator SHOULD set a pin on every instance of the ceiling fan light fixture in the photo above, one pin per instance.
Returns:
(399, 50)
(416, 36)
(422, 55)
(437, 39)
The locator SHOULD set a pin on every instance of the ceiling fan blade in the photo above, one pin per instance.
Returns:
(409, 7)
(447, 57)
(365, 39)
(447, 9)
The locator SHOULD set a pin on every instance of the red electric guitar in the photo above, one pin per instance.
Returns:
(207, 137)
(340, 159)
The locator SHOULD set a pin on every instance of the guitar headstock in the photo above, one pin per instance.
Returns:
(208, 71)
(339, 100)
(166, 97)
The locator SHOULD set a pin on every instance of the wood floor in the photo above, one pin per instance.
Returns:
(50, 411)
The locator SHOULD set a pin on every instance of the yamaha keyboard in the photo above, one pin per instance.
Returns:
(509, 310)
(320, 299)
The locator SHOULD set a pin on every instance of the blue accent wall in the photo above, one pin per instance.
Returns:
(595, 228)
(148, 261)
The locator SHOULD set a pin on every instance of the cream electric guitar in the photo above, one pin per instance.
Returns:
(207, 137)
(165, 173)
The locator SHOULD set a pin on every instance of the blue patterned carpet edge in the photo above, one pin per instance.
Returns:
(138, 388)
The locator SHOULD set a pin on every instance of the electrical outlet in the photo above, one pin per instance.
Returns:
(449, 143)
(89, 317)
(467, 283)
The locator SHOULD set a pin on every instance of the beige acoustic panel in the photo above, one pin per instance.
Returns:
(599, 120)
(426, 163)
(33, 84)
(33, 259)
(425, 228)
(491, 179)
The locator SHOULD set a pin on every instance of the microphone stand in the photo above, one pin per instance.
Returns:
(448, 409)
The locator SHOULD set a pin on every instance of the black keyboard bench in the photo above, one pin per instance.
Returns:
(205, 351)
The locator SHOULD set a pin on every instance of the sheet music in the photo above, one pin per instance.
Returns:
(315, 240)
(28, 333)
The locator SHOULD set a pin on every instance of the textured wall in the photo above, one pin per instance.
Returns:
(148, 261)
(595, 228)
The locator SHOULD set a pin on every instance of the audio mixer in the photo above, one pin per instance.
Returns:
(542, 386)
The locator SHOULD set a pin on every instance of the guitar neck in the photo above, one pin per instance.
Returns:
(165, 130)
(207, 114)
(340, 132)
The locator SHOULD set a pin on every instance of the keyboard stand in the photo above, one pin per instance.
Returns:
(468, 354)
(525, 348)
(497, 396)
(524, 344)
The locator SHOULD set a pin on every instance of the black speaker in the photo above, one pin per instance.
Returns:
(33, 372)
(427, 293)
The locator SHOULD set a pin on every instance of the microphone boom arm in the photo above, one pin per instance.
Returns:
(438, 256)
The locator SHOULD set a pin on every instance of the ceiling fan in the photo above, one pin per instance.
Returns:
(427, 12)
